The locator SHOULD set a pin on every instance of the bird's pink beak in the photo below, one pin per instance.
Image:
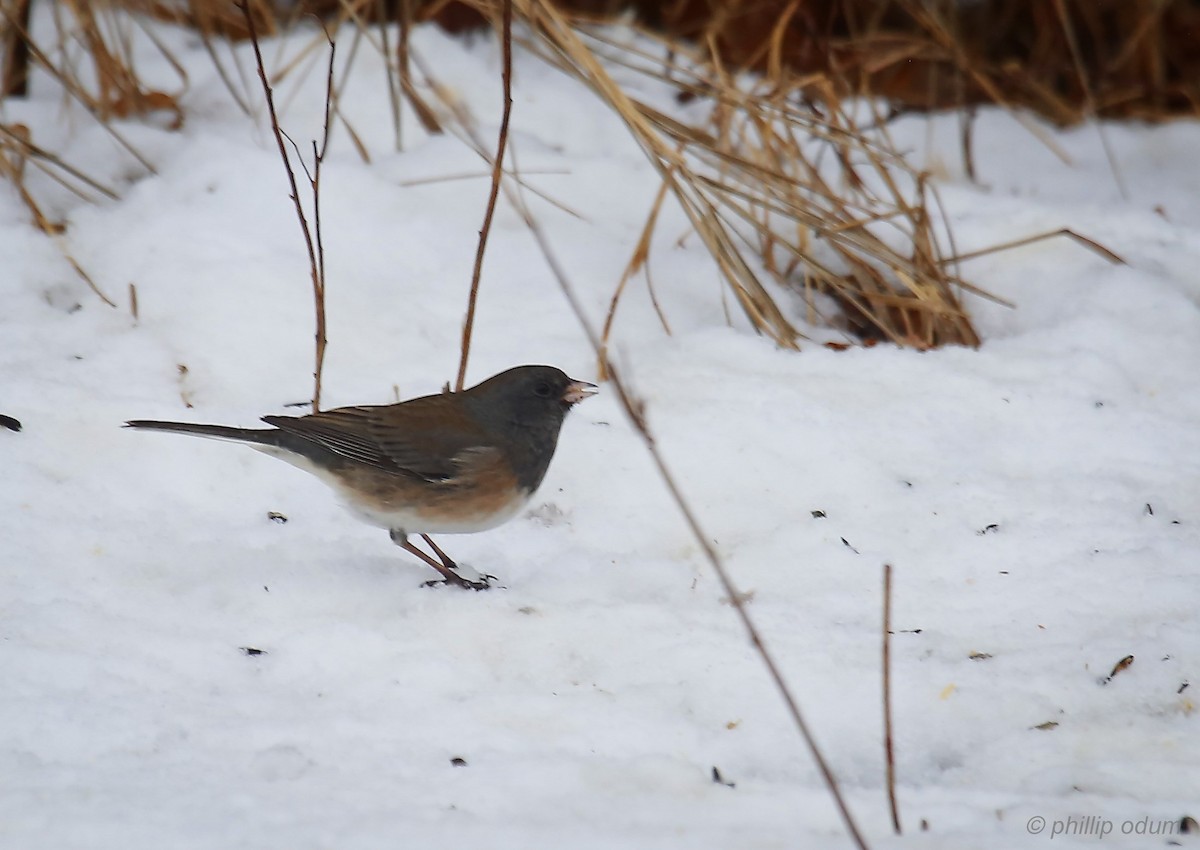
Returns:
(577, 391)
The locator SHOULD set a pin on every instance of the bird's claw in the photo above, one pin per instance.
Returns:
(484, 583)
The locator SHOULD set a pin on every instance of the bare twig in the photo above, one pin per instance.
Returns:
(14, 81)
(1079, 238)
(635, 410)
(316, 251)
(888, 750)
(497, 178)
(79, 270)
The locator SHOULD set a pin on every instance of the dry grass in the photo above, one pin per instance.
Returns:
(787, 184)
(777, 189)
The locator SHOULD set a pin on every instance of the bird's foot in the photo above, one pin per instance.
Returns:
(483, 583)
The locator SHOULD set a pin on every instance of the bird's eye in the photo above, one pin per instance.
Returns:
(543, 390)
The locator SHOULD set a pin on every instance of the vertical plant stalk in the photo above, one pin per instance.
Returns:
(316, 250)
(634, 409)
(15, 80)
(497, 177)
(888, 751)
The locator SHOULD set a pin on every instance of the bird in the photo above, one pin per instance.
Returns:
(450, 463)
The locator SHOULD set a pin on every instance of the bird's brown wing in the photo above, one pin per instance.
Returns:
(426, 437)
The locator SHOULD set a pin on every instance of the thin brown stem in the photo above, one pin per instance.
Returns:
(319, 275)
(888, 750)
(1091, 244)
(15, 79)
(497, 177)
(634, 409)
(316, 253)
(79, 270)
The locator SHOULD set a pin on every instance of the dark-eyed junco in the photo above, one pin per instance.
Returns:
(452, 463)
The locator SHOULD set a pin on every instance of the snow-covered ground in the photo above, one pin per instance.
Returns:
(1039, 499)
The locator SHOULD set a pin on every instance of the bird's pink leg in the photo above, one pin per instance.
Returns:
(446, 567)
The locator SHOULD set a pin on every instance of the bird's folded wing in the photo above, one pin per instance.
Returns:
(408, 439)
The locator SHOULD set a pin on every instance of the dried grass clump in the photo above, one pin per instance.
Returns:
(775, 187)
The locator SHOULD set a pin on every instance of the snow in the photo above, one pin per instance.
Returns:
(1037, 498)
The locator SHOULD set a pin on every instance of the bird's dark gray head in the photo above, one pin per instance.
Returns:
(527, 396)
(525, 406)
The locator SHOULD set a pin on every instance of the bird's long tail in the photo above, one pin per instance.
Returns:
(256, 436)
